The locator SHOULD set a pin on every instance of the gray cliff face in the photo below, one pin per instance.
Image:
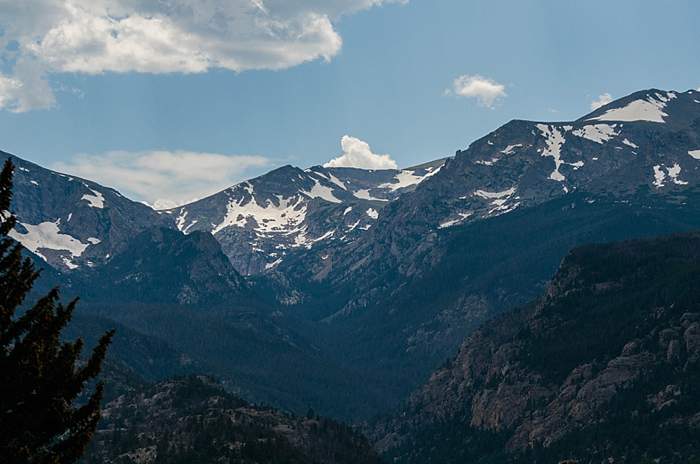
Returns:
(73, 223)
(614, 340)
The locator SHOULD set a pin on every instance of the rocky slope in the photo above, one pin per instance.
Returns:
(364, 281)
(73, 223)
(649, 140)
(163, 266)
(259, 221)
(399, 299)
(604, 367)
(183, 292)
(195, 420)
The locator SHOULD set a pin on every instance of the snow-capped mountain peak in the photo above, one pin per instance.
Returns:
(70, 222)
(260, 220)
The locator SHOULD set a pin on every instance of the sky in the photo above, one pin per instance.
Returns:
(171, 101)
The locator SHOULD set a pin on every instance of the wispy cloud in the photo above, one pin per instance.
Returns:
(602, 100)
(27, 89)
(163, 179)
(178, 36)
(485, 90)
(358, 154)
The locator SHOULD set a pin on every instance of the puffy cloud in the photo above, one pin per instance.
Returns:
(486, 91)
(26, 89)
(602, 100)
(357, 154)
(164, 179)
(184, 36)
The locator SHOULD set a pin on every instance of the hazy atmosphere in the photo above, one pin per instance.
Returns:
(349, 232)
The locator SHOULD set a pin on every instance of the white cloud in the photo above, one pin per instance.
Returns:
(26, 89)
(357, 154)
(161, 178)
(486, 91)
(183, 36)
(602, 100)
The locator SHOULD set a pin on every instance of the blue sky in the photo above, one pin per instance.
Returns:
(201, 124)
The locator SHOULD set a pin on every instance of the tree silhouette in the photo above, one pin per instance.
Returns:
(40, 375)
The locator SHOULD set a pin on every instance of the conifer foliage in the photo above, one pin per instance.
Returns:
(40, 375)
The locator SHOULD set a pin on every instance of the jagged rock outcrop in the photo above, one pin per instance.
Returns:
(605, 360)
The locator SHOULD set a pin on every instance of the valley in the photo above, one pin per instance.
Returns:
(419, 302)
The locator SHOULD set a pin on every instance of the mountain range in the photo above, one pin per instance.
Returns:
(343, 289)
(602, 367)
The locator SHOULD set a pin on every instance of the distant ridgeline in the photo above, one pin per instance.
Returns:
(342, 289)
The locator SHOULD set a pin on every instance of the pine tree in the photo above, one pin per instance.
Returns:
(40, 375)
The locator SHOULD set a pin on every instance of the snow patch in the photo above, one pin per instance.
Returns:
(554, 141)
(371, 212)
(661, 173)
(649, 109)
(695, 154)
(659, 176)
(273, 264)
(96, 200)
(321, 191)
(365, 195)
(401, 180)
(337, 181)
(598, 133)
(499, 200)
(630, 144)
(673, 172)
(47, 235)
(408, 178)
(492, 195)
(286, 214)
(351, 227)
(69, 263)
(454, 222)
(511, 148)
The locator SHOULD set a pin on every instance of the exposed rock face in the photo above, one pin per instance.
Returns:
(194, 420)
(73, 223)
(163, 266)
(377, 273)
(488, 230)
(260, 221)
(523, 164)
(607, 355)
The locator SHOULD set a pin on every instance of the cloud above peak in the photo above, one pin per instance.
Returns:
(602, 100)
(358, 154)
(177, 36)
(485, 90)
(161, 178)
